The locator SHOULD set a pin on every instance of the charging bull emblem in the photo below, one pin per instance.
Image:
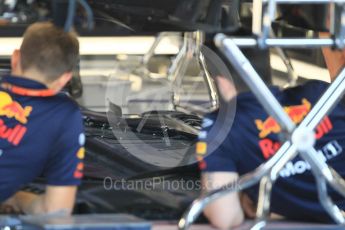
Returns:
(12, 109)
(296, 113)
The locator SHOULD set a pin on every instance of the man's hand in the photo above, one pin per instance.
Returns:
(225, 212)
(8, 208)
(57, 199)
(248, 206)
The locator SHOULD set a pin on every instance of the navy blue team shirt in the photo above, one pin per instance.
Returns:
(39, 136)
(254, 138)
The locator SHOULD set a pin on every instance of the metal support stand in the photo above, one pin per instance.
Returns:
(293, 77)
(151, 52)
(191, 48)
(298, 140)
(286, 153)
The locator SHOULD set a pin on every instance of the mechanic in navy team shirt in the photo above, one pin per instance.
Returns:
(41, 131)
(253, 139)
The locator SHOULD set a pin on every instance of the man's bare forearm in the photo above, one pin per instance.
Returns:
(29, 203)
(224, 212)
(33, 204)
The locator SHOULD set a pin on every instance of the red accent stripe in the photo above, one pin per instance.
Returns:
(29, 92)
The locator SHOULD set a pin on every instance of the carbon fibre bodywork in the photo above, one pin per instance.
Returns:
(116, 181)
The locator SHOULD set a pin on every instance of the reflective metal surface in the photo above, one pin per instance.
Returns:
(192, 47)
(267, 173)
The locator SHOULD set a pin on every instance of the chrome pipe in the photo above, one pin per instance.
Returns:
(321, 169)
(255, 83)
(327, 202)
(285, 153)
(340, 33)
(264, 202)
(259, 225)
(293, 77)
(276, 163)
(264, 197)
(269, 16)
(175, 68)
(179, 67)
(244, 182)
(151, 51)
(326, 103)
(212, 90)
(266, 185)
(323, 173)
(284, 42)
(337, 182)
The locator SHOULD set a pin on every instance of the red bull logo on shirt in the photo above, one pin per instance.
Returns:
(13, 109)
(296, 113)
(269, 147)
(12, 135)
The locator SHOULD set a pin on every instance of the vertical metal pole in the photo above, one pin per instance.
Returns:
(199, 38)
(244, 182)
(264, 202)
(326, 103)
(326, 201)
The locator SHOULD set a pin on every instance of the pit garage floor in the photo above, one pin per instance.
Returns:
(125, 221)
(248, 224)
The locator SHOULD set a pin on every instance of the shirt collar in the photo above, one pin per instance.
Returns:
(23, 82)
